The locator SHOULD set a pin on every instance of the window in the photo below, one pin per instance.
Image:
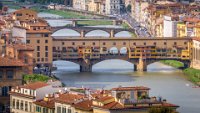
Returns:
(1, 74)
(175, 43)
(63, 43)
(185, 43)
(46, 35)
(10, 74)
(54, 48)
(73, 43)
(19, 14)
(114, 43)
(46, 54)
(45, 110)
(93, 43)
(58, 109)
(13, 103)
(28, 41)
(165, 43)
(38, 48)
(69, 110)
(63, 110)
(144, 43)
(154, 43)
(38, 109)
(26, 106)
(22, 105)
(46, 41)
(104, 43)
(46, 48)
(64, 49)
(124, 43)
(83, 43)
(38, 41)
(134, 43)
(38, 54)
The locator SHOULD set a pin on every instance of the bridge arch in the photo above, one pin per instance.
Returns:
(97, 33)
(123, 50)
(66, 32)
(113, 65)
(114, 50)
(123, 33)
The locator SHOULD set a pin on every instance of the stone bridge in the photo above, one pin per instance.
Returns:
(141, 52)
(84, 30)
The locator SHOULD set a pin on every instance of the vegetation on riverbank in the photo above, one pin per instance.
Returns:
(192, 74)
(173, 63)
(64, 14)
(94, 22)
(35, 77)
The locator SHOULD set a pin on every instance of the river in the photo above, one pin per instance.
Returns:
(165, 81)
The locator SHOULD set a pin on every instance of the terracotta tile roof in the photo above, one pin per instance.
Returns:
(6, 62)
(69, 98)
(49, 103)
(130, 88)
(84, 105)
(102, 99)
(196, 38)
(111, 105)
(22, 95)
(22, 47)
(35, 85)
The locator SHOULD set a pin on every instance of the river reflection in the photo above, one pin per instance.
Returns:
(163, 80)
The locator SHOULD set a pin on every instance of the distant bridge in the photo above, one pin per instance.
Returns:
(84, 30)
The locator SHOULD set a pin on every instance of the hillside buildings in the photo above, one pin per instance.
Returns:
(159, 15)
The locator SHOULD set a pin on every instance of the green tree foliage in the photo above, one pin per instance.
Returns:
(161, 110)
(35, 77)
(128, 8)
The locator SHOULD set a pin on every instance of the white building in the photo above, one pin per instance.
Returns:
(169, 27)
(112, 7)
(22, 97)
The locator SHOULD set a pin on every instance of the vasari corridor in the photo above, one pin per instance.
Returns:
(99, 56)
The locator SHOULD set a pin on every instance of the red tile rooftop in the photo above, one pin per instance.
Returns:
(34, 86)
(69, 98)
(130, 88)
(104, 98)
(111, 105)
(46, 103)
(84, 105)
(21, 47)
(6, 62)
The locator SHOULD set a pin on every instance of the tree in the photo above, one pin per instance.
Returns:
(1, 5)
(128, 8)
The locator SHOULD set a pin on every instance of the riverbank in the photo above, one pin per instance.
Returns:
(37, 77)
(192, 74)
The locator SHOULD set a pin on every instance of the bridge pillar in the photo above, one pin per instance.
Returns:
(82, 33)
(141, 66)
(112, 33)
(74, 23)
(85, 68)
